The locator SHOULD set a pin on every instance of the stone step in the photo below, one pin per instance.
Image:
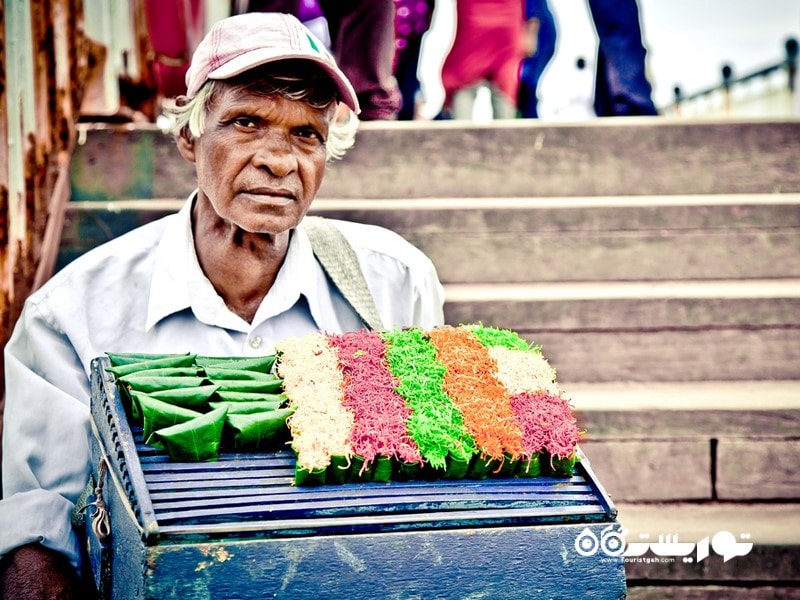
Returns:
(775, 524)
(768, 569)
(514, 240)
(747, 590)
(654, 306)
(647, 331)
(736, 354)
(707, 441)
(601, 158)
(524, 157)
(674, 477)
(596, 238)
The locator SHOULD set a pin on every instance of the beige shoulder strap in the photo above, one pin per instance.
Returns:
(340, 263)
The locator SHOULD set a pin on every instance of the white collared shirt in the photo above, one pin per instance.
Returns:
(145, 292)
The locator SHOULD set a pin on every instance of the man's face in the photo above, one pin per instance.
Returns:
(261, 158)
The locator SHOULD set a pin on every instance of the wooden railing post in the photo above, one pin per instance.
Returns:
(791, 62)
(727, 79)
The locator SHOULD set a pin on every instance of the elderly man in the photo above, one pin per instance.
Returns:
(232, 273)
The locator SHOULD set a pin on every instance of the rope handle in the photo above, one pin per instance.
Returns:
(101, 521)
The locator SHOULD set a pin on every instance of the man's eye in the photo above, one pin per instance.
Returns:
(245, 122)
(310, 133)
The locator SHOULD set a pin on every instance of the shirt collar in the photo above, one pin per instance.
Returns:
(179, 283)
(299, 276)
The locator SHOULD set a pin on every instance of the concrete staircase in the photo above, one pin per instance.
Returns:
(656, 261)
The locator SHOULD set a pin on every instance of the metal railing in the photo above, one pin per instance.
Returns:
(769, 91)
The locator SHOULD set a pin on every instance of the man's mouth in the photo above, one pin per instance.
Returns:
(273, 195)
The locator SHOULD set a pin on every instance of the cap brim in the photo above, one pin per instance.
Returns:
(261, 56)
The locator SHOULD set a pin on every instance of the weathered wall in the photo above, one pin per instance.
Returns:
(43, 60)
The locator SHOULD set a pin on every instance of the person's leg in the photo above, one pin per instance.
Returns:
(362, 34)
(464, 102)
(412, 21)
(534, 66)
(502, 106)
(622, 86)
(406, 76)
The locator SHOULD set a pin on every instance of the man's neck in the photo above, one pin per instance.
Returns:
(242, 266)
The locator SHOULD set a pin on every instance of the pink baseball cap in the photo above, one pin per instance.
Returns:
(242, 42)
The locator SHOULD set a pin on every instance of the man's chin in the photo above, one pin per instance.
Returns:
(270, 227)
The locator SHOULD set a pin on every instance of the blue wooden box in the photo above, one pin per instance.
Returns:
(238, 528)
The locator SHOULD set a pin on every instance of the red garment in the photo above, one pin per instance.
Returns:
(175, 28)
(488, 45)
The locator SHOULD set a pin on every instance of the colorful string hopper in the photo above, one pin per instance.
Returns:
(454, 402)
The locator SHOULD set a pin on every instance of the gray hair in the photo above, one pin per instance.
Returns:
(190, 113)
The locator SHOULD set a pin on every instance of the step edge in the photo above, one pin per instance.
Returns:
(746, 395)
(322, 204)
(624, 290)
(768, 523)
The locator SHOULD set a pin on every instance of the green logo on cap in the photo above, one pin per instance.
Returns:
(313, 44)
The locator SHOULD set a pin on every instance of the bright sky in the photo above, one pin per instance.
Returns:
(688, 42)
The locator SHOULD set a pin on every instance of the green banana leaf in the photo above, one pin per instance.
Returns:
(238, 374)
(234, 396)
(382, 470)
(557, 466)
(265, 386)
(179, 360)
(155, 384)
(262, 364)
(196, 398)
(308, 478)
(530, 467)
(456, 467)
(406, 471)
(247, 408)
(338, 470)
(126, 358)
(358, 472)
(157, 414)
(255, 431)
(195, 440)
(190, 371)
(170, 396)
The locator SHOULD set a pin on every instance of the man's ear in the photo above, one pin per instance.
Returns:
(185, 144)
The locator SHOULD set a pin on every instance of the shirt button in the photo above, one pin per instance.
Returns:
(255, 342)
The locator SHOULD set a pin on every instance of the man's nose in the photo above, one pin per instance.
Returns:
(276, 154)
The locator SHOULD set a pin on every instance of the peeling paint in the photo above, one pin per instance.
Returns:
(477, 596)
(293, 557)
(38, 110)
(218, 554)
(564, 555)
(430, 553)
(349, 558)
